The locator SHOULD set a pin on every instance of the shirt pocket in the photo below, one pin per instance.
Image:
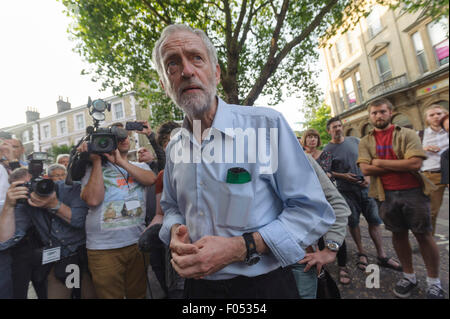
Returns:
(235, 201)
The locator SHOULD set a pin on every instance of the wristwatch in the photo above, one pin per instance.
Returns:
(55, 209)
(252, 255)
(332, 245)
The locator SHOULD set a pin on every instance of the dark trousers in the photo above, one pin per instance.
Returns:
(26, 266)
(277, 284)
(6, 285)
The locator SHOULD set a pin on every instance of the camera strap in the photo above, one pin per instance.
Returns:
(125, 177)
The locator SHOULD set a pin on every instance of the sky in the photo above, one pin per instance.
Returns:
(38, 65)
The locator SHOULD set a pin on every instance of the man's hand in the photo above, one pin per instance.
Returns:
(83, 148)
(180, 242)
(432, 148)
(115, 158)
(350, 177)
(319, 258)
(147, 130)
(14, 193)
(43, 202)
(214, 253)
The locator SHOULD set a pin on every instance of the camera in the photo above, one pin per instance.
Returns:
(100, 140)
(42, 187)
(134, 126)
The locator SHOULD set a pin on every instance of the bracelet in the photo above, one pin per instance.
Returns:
(55, 209)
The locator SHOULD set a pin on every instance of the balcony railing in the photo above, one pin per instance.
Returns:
(389, 85)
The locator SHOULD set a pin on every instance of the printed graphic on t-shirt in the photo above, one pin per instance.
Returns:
(124, 204)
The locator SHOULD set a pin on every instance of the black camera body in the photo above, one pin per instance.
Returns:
(100, 140)
(41, 186)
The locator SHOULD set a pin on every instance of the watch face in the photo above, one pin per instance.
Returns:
(332, 246)
(253, 260)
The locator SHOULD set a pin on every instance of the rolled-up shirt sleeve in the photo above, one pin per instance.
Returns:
(78, 207)
(23, 223)
(306, 215)
(169, 206)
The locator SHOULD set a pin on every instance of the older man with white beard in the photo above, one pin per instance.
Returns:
(233, 226)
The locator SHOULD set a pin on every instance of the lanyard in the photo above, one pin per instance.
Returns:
(126, 178)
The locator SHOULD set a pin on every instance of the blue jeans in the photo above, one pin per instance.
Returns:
(306, 281)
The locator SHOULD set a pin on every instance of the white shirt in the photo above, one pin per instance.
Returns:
(4, 185)
(440, 139)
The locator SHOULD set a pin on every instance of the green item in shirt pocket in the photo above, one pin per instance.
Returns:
(238, 175)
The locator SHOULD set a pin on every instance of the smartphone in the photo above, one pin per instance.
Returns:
(134, 126)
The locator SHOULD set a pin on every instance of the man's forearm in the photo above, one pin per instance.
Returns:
(404, 165)
(372, 170)
(94, 191)
(142, 176)
(7, 223)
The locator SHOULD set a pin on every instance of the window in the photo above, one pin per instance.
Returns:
(341, 52)
(350, 92)
(384, 70)
(118, 112)
(420, 52)
(79, 121)
(374, 22)
(352, 40)
(26, 137)
(359, 87)
(62, 127)
(439, 40)
(46, 131)
(341, 96)
(332, 58)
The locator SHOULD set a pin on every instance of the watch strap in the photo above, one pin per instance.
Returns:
(55, 209)
(250, 244)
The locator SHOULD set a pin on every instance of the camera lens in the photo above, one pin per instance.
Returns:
(103, 142)
(45, 187)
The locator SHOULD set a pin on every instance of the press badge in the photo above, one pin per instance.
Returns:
(132, 204)
(51, 254)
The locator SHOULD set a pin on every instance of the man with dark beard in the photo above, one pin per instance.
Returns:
(233, 225)
(392, 156)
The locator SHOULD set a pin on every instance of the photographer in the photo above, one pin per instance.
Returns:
(160, 162)
(59, 220)
(114, 189)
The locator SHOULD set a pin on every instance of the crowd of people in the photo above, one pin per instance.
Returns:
(161, 227)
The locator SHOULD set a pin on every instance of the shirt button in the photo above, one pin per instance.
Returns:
(201, 213)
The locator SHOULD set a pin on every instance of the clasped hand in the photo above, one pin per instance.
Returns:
(202, 258)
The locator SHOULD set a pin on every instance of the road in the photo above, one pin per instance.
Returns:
(388, 278)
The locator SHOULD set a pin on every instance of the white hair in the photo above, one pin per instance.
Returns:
(55, 167)
(169, 30)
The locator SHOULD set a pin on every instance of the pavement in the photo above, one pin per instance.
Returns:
(358, 289)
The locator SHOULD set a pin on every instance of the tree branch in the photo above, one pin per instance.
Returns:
(273, 62)
(167, 19)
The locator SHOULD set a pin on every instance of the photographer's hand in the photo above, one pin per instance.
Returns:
(147, 129)
(83, 148)
(115, 158)
(15, 192)
(43, 202)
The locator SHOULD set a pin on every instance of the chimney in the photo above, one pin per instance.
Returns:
(63, 105)
(32, 114)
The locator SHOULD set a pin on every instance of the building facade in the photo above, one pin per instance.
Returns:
(392, 54)
(68, 125)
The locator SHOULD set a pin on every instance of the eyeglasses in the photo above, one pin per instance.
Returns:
(57, 175)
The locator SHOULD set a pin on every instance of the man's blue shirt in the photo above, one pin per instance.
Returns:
(68, 236)
(284, 201)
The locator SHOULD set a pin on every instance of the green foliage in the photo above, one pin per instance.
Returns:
(264, 47)
(432, 8)
(55, 150)
(317, 119)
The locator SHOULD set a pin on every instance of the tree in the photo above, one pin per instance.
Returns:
(433, 8)
(317, 119)
(264, 46)
(55, 150)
